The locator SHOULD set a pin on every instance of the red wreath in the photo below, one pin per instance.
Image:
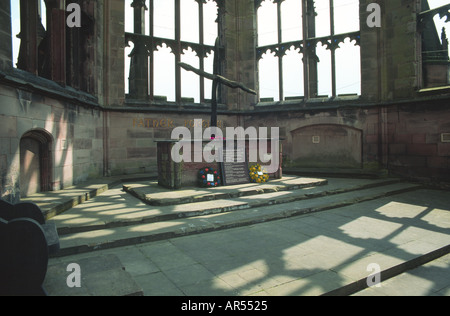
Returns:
(203, 177)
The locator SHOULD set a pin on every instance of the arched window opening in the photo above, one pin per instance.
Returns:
(293, 75)
(325, 85)
(268, 77)
(191, 87)
(348, 69)
(165, 72)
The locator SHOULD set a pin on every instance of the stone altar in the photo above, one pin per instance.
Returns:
(174, 175)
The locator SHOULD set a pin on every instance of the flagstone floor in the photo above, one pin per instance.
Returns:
(316, 253)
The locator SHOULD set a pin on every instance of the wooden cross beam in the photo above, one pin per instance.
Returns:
(217, 79)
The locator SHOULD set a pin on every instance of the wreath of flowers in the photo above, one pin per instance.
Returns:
(258, 174)
(203, 177)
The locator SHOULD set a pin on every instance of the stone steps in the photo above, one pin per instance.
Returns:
(180, 204)
(223, 202)
(53, 203)
(154, 195)
(186, 219)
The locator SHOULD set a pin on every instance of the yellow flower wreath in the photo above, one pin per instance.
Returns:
(258, 174)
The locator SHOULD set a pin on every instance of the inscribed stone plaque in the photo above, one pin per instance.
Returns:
(235, 167)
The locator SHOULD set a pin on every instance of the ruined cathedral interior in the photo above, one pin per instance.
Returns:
(356, 88)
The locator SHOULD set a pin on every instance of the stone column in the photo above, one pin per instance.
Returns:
(5, 35)
(398, 49)
(55, 66)
(28, 53)
(113, 53)
(139, 56)
(240, 52)
(371, 61)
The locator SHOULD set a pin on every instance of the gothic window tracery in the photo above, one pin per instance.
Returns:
(327, 40)
(171, 31)
(434, 29)
(45, 46)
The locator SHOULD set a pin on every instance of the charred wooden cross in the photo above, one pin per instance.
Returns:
(217, 79)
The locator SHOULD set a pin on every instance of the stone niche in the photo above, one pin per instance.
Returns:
(327, 146)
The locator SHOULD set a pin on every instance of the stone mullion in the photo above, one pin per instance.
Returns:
(151, 52)
(311, 80)
(139, 55)
(201, 56)
(178, 51)
(333, 51)
(5, 35)
(281, 55)
(306, 68)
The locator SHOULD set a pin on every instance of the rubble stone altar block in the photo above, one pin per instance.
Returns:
(175, 175)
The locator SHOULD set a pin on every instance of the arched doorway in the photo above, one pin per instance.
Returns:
(35, 162)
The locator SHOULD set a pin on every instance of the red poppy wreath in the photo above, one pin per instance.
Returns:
(208, 177)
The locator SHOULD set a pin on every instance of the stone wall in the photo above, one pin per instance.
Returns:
(74, 133)
(415, 145)
(340, 137)
(132, 135)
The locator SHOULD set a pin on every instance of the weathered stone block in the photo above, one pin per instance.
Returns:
(422, 149)
(8, 126)
(397, 149)
(444, 150)
(438, 162)
(141, 152)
